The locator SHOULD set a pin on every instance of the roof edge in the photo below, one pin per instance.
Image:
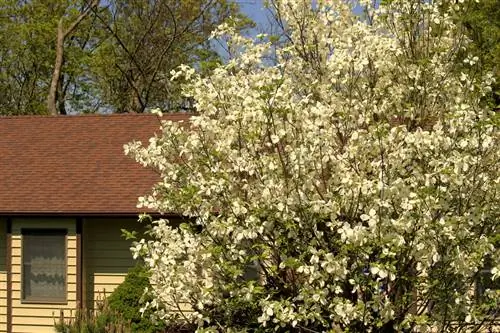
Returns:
(165, 116)
(84, 214)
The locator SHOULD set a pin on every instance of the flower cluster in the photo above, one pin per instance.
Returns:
(352, 184)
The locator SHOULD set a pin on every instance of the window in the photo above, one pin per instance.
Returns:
(44, 265)
(252, 271)
(485, 280)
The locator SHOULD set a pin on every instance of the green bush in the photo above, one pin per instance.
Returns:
(102, 320)
(118, 313)
(127, 299)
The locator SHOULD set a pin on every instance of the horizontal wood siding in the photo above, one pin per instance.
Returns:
(30, 317)
(107, 256)
(3, 275)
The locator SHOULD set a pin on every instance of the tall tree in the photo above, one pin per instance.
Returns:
(482, 25)
(28, 41)
(359, 173)
(146, 40)
(62, 34)
(81, 56)
(25, 55)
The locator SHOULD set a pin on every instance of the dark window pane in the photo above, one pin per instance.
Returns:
(44, 265)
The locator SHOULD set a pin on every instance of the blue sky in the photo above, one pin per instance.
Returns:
(255, 10)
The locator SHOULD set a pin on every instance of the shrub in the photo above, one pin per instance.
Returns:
(101, 320)
(120, 312)
(126, 300)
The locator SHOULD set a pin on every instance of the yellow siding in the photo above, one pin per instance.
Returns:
(3, 301)
(107, 259)
(30, 317)
(3, 276)
(107, 256)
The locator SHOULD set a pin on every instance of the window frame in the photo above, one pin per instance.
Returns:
(43, 232)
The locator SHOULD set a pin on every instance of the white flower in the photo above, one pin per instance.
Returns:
(358, 159)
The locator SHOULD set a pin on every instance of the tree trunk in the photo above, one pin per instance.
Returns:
(56, 74)
(137, 105)
(61, 95)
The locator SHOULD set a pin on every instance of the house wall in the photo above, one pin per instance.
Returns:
(106, 260)
(30, 317)
(3, 275)
(107, 256)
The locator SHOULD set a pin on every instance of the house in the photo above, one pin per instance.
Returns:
(66, 191)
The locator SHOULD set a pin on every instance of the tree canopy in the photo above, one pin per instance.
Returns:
(358, 175)
(113, 56)
(482, 25)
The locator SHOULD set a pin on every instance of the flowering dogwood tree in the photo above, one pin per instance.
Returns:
(358, 175)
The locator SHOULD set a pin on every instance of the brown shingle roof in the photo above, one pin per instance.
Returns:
(73, 164)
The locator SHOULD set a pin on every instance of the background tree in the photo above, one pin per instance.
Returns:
(359, 174)
(482, 26)
(63, 33)
(26, 54)
(148, 39)
(117, 57)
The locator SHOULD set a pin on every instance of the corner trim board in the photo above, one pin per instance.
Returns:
(79, 262)
(8, 262)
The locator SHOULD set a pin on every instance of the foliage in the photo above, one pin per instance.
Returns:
(117, 59)
(27, 51)
(147, 39)
(120, 312)
(482, 25)
(360, 173)
(126, 300)
(103, 319)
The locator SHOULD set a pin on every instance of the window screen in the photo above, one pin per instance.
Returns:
(44, 265)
